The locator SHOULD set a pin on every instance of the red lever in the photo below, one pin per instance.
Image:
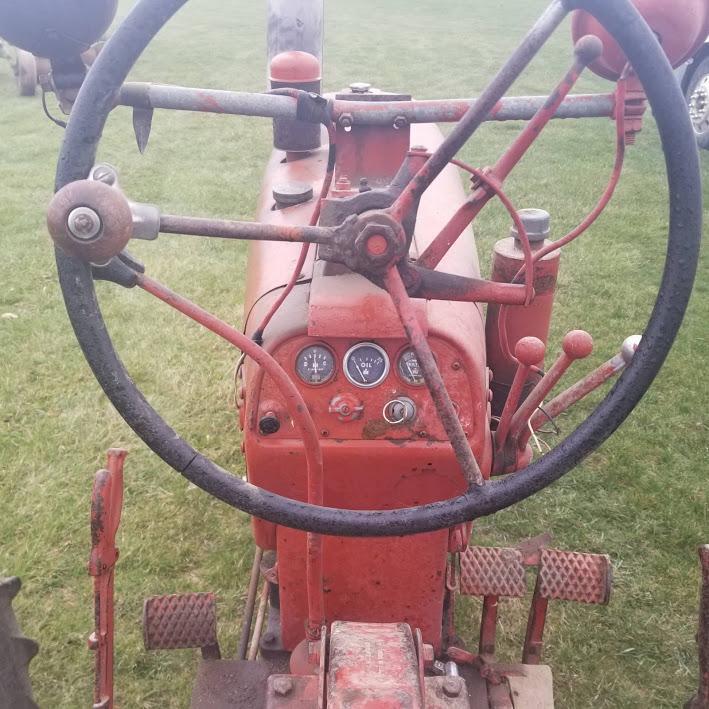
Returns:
(589, 383)
(577, 344)
(106, 504)
(528, 351)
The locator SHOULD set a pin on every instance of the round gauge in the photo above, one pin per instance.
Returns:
(315, 364)
(366, 364)
(409, 368)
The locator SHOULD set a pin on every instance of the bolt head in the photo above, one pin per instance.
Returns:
(282, 686)
(360, 87)
(377, 245)
(103, 172)
(452, 686)
(84, 223)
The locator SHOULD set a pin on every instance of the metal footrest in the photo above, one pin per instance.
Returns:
(181, 621)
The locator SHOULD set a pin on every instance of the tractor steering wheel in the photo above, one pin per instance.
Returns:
(94, 103)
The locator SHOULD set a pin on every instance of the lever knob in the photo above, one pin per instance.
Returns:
(90, 220)
(627, 349)
(529, 351)
(577, 344)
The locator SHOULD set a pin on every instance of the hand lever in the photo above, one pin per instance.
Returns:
(577, 344)
(528, 351)
(589, 383)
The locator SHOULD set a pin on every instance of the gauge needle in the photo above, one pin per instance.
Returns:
(364, 381)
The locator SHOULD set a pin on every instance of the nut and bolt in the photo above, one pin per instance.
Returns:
(346, 121)
(377, 245)
(282, 686)
(360, 87)
(105, 173)
(84, 223)
(400, 122)
(452, 686)
(343, 183)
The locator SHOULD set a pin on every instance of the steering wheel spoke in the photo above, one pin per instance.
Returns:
(478, 112)
(94, 221)
(434, 285)
(432, 376)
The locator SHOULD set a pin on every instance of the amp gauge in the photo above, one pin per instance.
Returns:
(409, 368)
(315, 364)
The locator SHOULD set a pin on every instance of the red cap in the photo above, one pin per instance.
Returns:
(295, 68)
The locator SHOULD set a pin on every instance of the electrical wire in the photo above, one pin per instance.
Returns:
(305, 248)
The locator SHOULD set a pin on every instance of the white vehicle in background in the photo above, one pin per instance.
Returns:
(695, 84)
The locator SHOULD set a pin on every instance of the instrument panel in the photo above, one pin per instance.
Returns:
(368, 389)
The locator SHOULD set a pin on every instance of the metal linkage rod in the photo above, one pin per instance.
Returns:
(471, 121)
(511, 108)
(183, 98)
(250, 231)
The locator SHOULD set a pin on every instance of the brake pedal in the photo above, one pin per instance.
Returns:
(181, 620)
(564, 576)
(492, 571)
(572, 576)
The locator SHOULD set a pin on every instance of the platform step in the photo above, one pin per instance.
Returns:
(180, 620)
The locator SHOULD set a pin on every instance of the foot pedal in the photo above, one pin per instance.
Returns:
(492, 571)
(571, 576)
(181, 620)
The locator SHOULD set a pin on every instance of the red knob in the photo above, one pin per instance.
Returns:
(577, 344)
(529, 351)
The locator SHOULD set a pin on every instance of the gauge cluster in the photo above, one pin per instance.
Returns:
(366, 390)
(366, 365)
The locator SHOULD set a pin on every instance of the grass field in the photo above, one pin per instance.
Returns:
(643, 498)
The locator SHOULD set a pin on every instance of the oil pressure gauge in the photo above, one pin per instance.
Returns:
(409, 368)
(315, 364)
(366, 365)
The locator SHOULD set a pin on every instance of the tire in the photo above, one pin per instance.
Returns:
(697, 95)
(26, 73)
(16, 652)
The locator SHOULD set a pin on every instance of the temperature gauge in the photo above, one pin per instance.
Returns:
(409, 368)
(366, 365)
(315, 364)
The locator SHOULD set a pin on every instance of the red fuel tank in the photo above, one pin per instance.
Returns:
(520, 321)
(681, 26)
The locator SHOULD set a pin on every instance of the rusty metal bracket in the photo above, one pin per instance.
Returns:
(106, 505)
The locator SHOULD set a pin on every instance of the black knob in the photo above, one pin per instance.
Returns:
(268, 424)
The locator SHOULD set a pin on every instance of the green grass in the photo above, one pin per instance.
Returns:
(642, 499)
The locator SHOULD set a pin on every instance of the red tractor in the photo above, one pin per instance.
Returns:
(383, 407)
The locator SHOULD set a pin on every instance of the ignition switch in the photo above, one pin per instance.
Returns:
(399, 411)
